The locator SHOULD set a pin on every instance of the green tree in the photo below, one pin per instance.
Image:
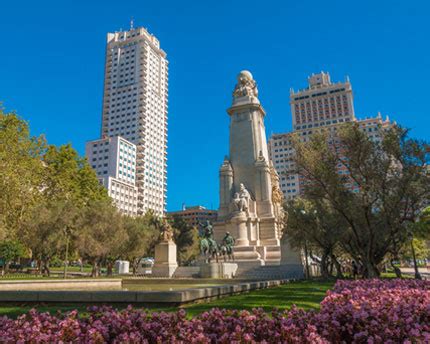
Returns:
(9, 252)
(422, 250)
(69, 177)
(101, 237)
(70, 180)
(142, 236)
(376, 187)
(186, 239)
(21, 173)
(421, 228)
(316, 228)
(67, 187)
(49, 231)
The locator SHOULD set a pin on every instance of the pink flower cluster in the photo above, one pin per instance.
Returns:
(376, 311)
(365, 311)
(106, 325)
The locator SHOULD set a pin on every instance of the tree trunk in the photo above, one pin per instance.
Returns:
(330, 267)
(109, 269)
(45, 268)
(370, 270)
(308, 274)
(6, 267)
(39, 266)
(134, 265)
(66, 257)
(324, 266)
(339, 273)
(397, 271)
(95, 270)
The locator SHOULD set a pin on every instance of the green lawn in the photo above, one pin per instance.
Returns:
(304, 294)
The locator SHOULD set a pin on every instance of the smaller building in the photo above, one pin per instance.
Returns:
(194, 215)
(114, 160)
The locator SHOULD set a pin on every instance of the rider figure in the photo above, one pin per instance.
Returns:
(209, 234)
(228, 241)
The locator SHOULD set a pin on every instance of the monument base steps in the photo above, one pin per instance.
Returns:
(271, 272)
(187, 272)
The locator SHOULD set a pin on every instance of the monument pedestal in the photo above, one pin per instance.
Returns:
(218, 270)
(291, 259)
(165, 259)
(238, 222)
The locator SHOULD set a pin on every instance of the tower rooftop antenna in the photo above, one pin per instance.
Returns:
(131, 23)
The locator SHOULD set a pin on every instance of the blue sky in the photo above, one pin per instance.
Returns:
(52, 55)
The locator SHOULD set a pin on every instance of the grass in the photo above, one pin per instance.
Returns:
(304, 294)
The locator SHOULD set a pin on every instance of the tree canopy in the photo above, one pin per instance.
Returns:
(374, 188)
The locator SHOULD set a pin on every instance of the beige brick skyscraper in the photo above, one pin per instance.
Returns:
(135, 107)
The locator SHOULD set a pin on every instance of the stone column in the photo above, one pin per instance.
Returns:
(239, 221)
(263, 187)
(226, 188)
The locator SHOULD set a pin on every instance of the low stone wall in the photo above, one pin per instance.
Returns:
(55, 284)
(168, 298)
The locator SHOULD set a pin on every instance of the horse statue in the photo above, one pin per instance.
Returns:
(208, 245)
(226, 248)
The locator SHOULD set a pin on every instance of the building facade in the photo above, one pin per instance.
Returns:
(323, 105)
(114, 160)
(194, 215)
(135, 108)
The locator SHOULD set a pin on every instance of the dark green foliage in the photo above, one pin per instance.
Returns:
(186, 239)
(377, 197)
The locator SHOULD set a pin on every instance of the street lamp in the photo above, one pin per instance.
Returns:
(417, 274)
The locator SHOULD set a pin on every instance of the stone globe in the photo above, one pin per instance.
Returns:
(245, 74)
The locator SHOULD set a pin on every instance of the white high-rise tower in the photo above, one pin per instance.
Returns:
(135, 108)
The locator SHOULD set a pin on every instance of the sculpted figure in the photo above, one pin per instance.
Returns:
(208, 245)
(277, 195)
(166, 232)
(241, 199)
(244, 197)
(245, 86)
(228, 241)
(226, 248)
(237, 201)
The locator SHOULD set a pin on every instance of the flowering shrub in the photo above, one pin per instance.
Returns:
(376, 311)
(365, 311)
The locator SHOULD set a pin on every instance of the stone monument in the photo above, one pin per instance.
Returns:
(216, 260)
(250, 198)
(165, 253)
